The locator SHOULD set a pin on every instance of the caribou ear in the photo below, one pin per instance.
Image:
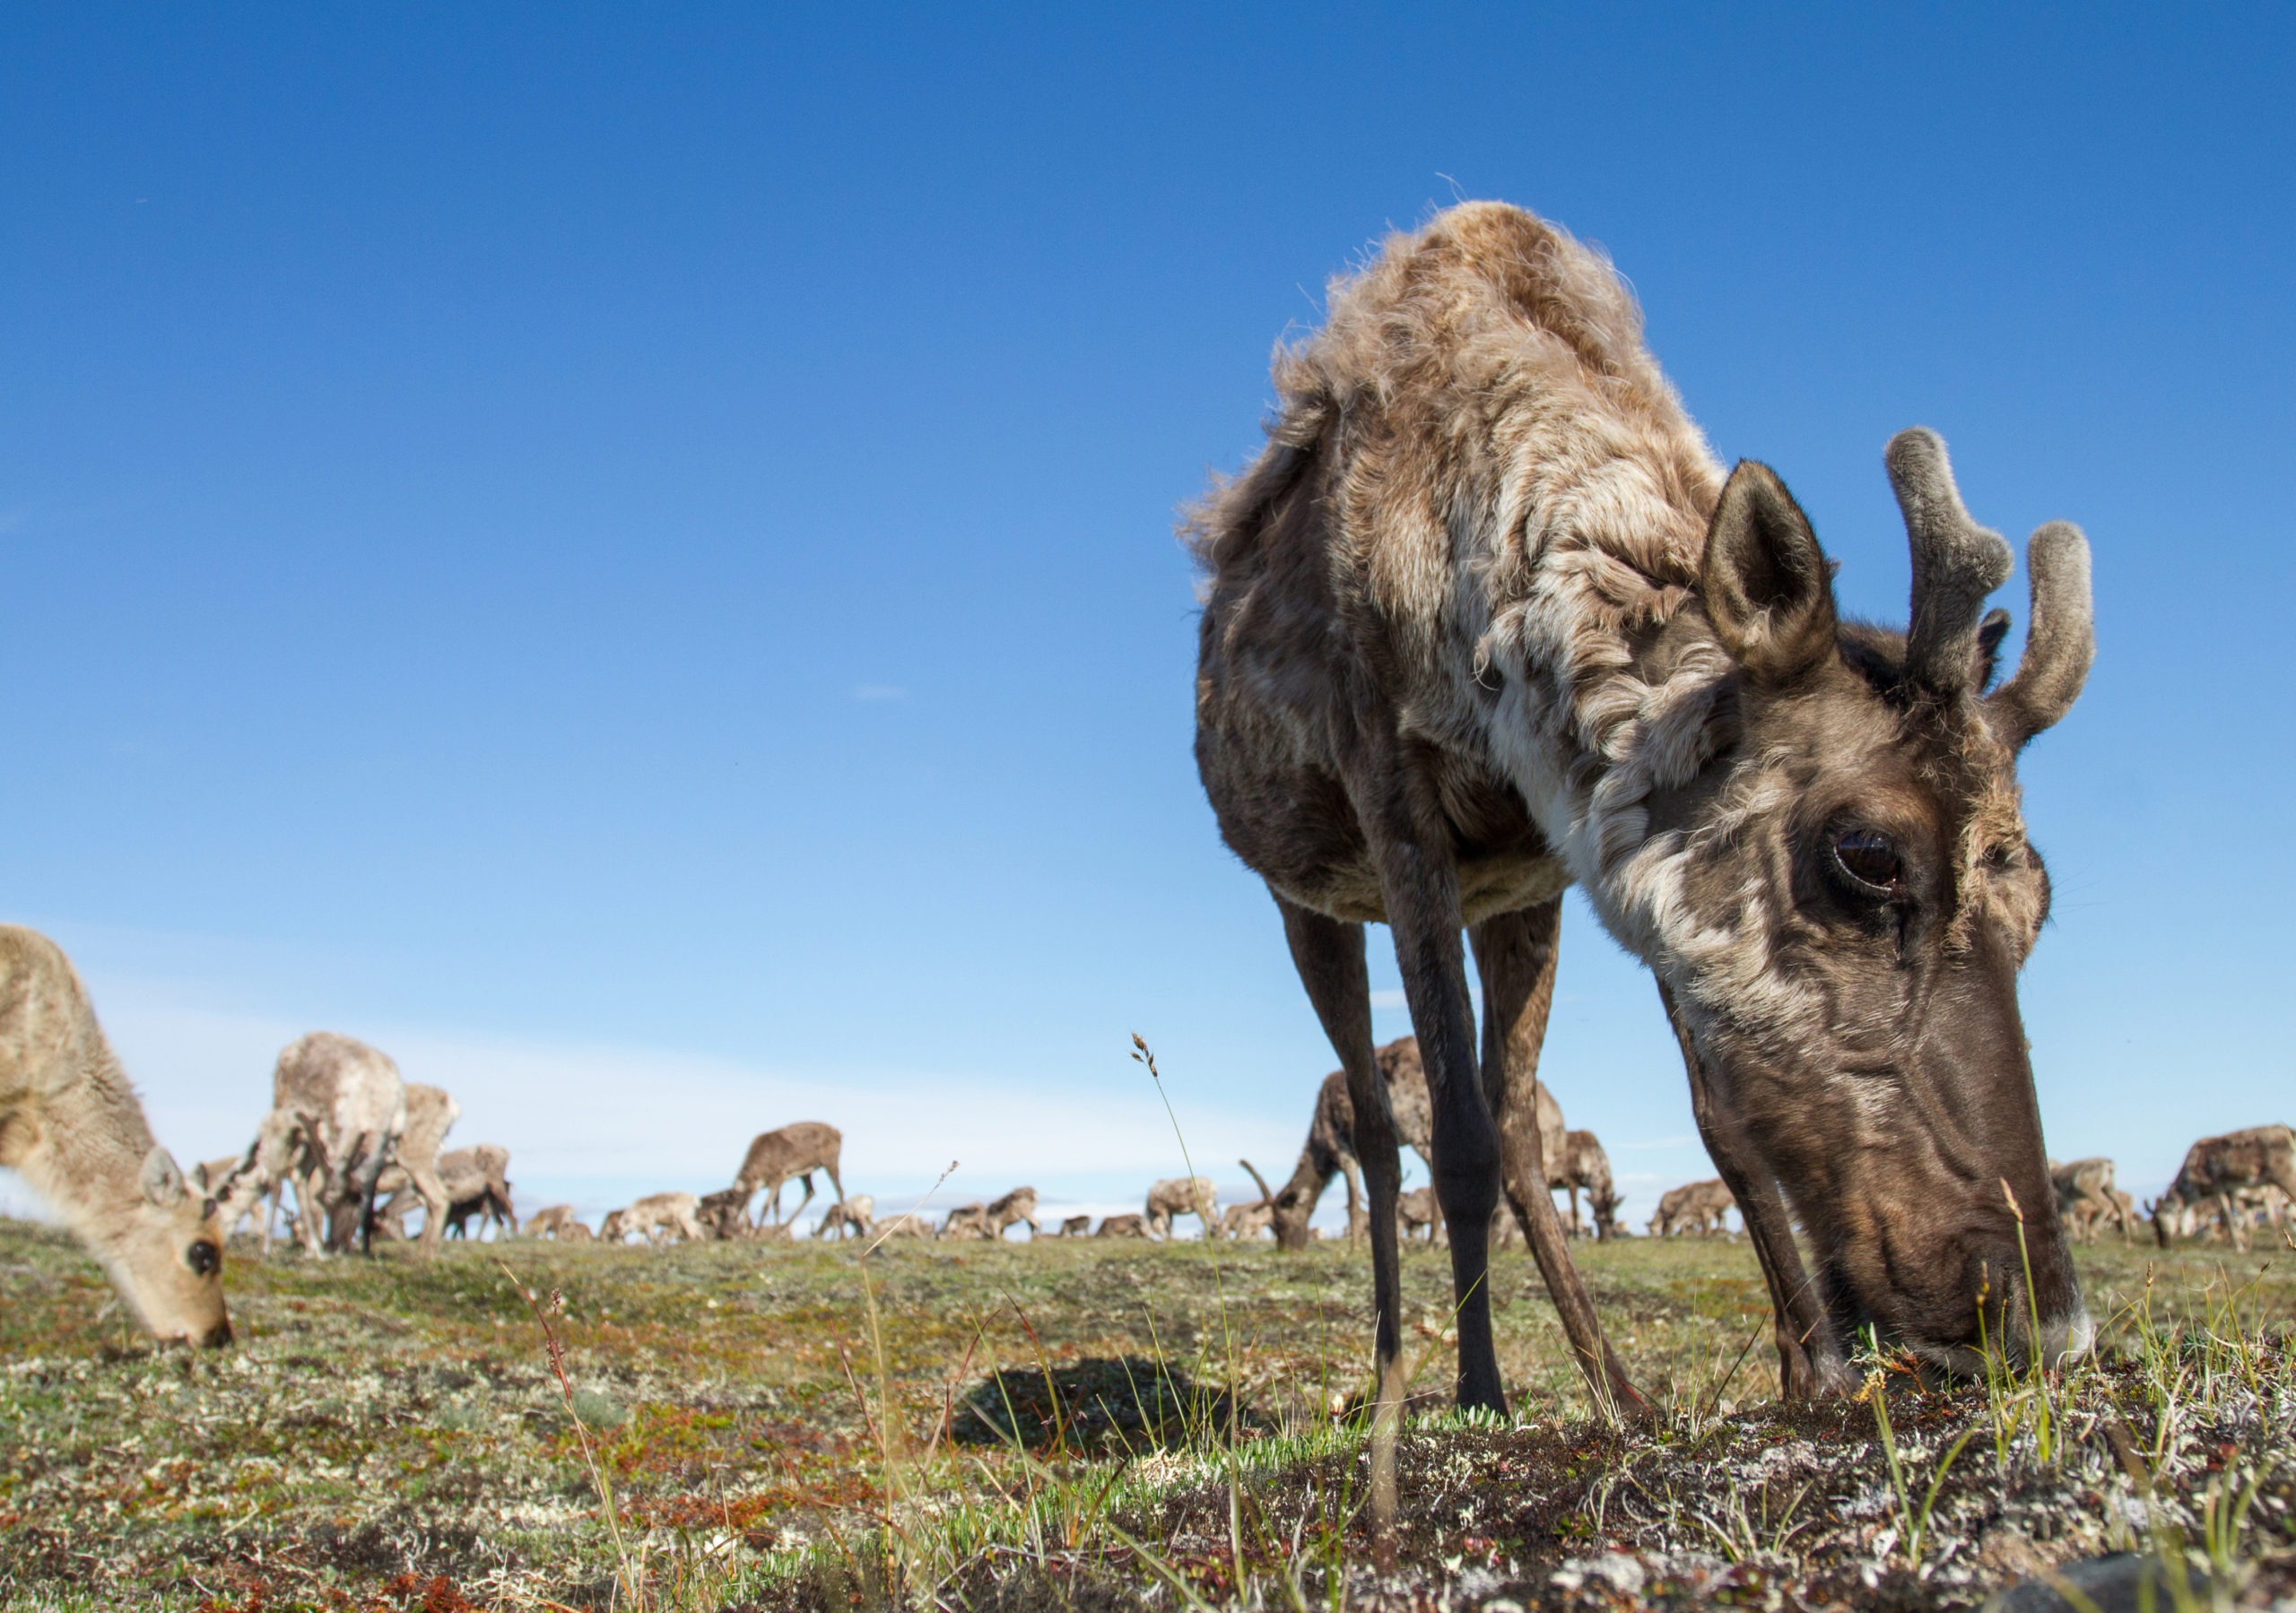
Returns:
(162, 1183)
(1769, 589)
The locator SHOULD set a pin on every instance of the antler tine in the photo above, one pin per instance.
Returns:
(2060, 643)
(1956, 562)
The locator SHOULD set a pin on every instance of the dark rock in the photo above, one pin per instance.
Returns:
(2118, 1584)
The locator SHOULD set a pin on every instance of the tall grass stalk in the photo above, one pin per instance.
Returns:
(629, 1571)
(1141, 1054)
(2037, 1373)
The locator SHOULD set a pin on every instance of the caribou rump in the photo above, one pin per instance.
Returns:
(1485, 618)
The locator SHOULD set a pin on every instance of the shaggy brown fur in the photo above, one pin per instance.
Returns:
(1482, 620)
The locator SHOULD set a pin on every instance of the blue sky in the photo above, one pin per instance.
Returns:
(625, 555)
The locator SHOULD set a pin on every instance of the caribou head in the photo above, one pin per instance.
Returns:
(164, 1245)
(1843, 902)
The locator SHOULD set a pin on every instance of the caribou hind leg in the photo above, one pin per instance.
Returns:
(1810, 1358)
(1329, 953)
(1515, 954)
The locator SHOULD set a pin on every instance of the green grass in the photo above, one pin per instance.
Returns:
(1079, 1424)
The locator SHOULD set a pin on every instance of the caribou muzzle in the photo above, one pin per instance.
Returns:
(1949, 1241)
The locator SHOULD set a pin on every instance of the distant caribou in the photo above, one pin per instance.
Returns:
(338, 1110)
(725, 1214)
(1179, 1196)
(1585, 1165)
(2217, 1169)
(414, 1172)
(2086, 1197)
(553, 1221)
(656, 1216)
(1417, 1209)
(1699, 1207)
(1015, 1209)
(855, 1212)
(478, 1183)
(966, 1222)
(1330, 1147)
(797, 1151)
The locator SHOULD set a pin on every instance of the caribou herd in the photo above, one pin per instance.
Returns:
(348, 1149)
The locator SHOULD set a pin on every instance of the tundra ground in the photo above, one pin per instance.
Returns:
(1085, 1424)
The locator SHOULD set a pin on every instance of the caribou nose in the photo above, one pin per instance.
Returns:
(217, 1336)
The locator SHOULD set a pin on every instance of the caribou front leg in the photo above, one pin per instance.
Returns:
(1420, 887)
(1516, 953)
(1810, 1358)
(1329, 953)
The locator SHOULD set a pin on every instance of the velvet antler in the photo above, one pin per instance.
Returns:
(1956, 563)
(2060, 643)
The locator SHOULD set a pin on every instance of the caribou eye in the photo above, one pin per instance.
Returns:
(1867, 856)
(203, 1258)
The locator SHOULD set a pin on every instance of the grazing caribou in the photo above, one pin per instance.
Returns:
(1331, 1138)
(1179, 1196)
(966, 1222)
(857, 1212)
(725, 1214)
(1586, 1166)
(2085, 1196)
(2216, 1170)
(795, 1151)
(1700, 1207)
(477, 1180)
(1418, 1209)
(1485, 618)
(1075, 1226)
(338, 1109)
(415, 1170)
(1245, 1222)
(1122, 1226)
(1015, 1209)
(553, 1221)
(71, 1124)
(657, 1216)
